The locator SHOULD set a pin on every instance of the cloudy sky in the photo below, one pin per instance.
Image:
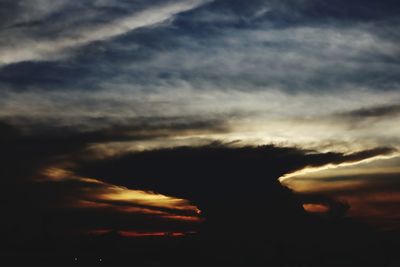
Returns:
(98, 98)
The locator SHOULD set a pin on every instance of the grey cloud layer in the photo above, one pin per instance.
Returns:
(244, 54)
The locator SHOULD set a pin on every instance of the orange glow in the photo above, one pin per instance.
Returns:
(109, 196)
(315, 208)
(56, 174)
(318, 185)
(127, 233)
(118, 193)
(184, 218)
(149, 234)
(140, 210)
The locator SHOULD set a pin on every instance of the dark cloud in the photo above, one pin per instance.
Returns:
(373, 112)
(236, 189)
(238, 193)
(34, 206)
(45, 75)
(37, 145)
(26, 156)
(365, 117)
(227, 166)
(232, 186)
(289, 12)
(185, 172)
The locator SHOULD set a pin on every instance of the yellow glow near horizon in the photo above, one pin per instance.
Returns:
(103, 196)
(315, 208)
(147, 198)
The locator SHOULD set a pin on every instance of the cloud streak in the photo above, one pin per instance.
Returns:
(374, 112)
(31, 50)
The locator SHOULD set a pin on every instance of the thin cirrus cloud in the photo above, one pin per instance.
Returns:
(44, 49)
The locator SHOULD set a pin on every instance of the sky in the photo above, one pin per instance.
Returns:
(150, 117)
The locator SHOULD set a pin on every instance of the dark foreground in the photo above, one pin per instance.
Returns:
(193, 251)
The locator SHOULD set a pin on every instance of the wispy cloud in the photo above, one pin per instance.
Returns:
(23, 49)
(373, 112)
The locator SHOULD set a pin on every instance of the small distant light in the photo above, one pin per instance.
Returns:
(76, 259)
(100, 259)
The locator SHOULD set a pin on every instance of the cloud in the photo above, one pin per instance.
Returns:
(70, 208)
(372, 197)
(39, 187)
(235, 187)
(185, 172)
(22, 12)
(358, 156)
(371, 189)
(264, 58)
(332, 54)
(256, 117)
(44, 49)
(30, 149)
(373, 112)
(232, 176)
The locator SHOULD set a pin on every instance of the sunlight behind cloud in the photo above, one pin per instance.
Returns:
(121, 199)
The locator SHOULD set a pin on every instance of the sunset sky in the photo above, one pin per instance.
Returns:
(140, 116)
